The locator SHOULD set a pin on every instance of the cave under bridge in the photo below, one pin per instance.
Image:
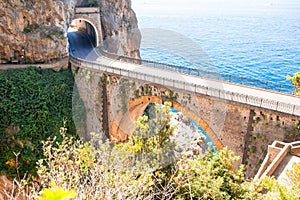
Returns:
(242, 118)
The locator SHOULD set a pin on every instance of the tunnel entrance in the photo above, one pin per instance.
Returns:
(86, 27)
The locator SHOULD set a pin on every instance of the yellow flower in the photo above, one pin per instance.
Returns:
(11, 163)
(57, 193)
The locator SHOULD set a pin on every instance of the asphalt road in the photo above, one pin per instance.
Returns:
(81, 46)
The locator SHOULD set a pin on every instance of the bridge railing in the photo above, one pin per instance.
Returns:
(280, 106)
(202, 73)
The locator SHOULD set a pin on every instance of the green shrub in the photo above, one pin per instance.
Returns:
(295, 80)
(33, 105)
(105, 172)
(31, 28)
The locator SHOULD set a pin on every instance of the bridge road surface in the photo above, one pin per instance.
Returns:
(82, 48)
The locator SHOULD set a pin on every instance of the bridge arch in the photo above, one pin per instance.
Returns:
(124, 122)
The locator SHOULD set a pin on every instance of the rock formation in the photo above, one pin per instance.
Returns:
(188, 139)
(34, 31)
(117, 20)
(120, 29)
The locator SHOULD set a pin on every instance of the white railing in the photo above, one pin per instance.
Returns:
(199, 72)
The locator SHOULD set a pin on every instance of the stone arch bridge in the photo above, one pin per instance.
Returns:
(242, 118)
(117, 89)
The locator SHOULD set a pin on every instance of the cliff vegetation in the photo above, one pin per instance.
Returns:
(33, 105)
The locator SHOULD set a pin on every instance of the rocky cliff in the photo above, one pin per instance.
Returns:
(120, 27)
(35, 31)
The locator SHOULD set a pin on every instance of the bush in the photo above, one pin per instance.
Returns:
(33, 105)
(95, 173)
(101, 170)
(30, 28)
(120, 171)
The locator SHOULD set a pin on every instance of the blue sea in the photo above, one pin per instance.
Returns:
(251, 39)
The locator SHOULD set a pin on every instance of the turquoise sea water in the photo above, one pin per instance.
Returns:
(209, 142)
(258, 39)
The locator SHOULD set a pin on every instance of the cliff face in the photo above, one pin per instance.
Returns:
(120, 27)
(34, 31)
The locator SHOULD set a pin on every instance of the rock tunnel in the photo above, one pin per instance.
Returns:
(87, 27)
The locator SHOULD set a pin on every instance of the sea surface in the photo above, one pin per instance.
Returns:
(240, 39)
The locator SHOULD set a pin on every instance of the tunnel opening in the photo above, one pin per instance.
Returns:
(85, 27)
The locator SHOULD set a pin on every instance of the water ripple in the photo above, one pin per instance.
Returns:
(258, 46)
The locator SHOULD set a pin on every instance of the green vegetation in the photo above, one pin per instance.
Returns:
(296, 82)
(110, 172)
(74, 168)
(56, 193)
(294, 176)
(30, 28)
(33, 105)
(36, 106)
(150, 141)
(50, 32)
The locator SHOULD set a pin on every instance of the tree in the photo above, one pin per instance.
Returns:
(208, 176)
(93, 173)
(296, 82)
(212, 177)
(108, 171)
(150, 141)
(294, 176)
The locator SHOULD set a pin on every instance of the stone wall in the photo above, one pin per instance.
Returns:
(87, 103)
(267, 127)
(88, 19)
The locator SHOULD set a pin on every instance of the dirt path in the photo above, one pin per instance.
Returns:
(63, 63)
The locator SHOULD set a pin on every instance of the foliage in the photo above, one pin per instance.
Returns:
(296, 82)
(72, 168)
(30, 28)
(150, 141)
(95, 173)
(294, 176)
(46, 31)
(57, 193)
(211, 177)
(33, 104)
(107, 172)
(277, 191)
